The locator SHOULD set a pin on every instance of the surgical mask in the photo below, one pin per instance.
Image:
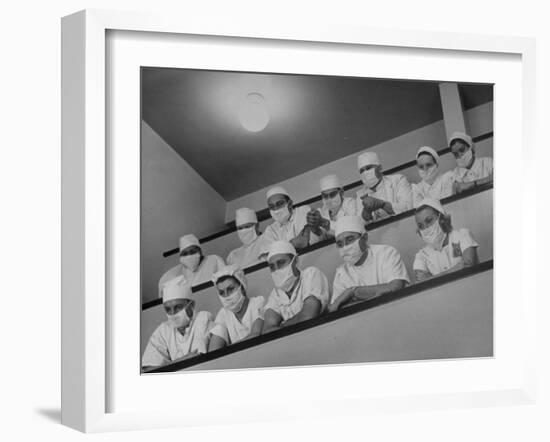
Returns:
(280, 215)
(284, 278)
(369, 177)
(180, 319)
(352, 252)
(433, 235)
(465, 159)
(248, 235)
(234, 301)
(429, 174)
(191, 262)
(333, 204)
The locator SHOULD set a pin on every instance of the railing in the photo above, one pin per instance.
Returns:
(263, 214)
(326, 318)
(328, 242)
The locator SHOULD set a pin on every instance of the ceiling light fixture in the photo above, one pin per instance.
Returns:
(253, 113)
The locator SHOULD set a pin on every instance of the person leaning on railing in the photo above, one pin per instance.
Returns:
(335, 205)
(289, 222)
(432, 184)
(470, 171)
(369, 270)
(298, 294)
(381, 195)
(446, 249)
(241, 316)
(184, 334)
(248, 231)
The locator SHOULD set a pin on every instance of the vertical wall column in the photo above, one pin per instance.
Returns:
(453, 115)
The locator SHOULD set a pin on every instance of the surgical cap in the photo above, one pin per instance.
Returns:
(280, 247)
(245, 216)
(177, 288)
(461, 136)
(428, 150)
(329, 182)
(349, 224)
(277, 190)
(187, 241)
(434, 204)
(367, 158)
(230, 270)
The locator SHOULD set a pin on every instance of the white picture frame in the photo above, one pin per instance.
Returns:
(85, 214)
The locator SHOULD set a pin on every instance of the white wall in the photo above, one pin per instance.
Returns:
(175, 201)
(392, 153)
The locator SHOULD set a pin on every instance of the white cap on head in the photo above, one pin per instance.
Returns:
(461, 136)
(230, 270)
(329, 182)
(188, 240)
(428, 150)
(349, 224)
(177, 288)
(366, 159)
(433, 203)
(280, 247)
(277, 190)
(245, 215)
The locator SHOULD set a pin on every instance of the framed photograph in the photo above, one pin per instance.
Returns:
(291, 221)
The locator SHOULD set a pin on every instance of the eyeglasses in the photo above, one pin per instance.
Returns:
(278, 204)
(461, 150)
(330, 195)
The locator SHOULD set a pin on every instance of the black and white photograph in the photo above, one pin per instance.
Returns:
(300, 220)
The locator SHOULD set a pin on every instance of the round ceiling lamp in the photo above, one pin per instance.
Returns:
(253, 113)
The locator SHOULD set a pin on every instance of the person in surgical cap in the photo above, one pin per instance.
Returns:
(335, 205)
(241, 316)
(381, 195)
(369, 270)
(298, 295)
(470, 171)
(184, 334)
(289, 222)
(447, 249)
(253, 243)
(194, 266)
(432, 183)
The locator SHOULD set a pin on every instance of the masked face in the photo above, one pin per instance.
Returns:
(247, 234)
(427, 167)
(279, 208)
(282, 271)
(430, 228)
(231, 294)
(234, 301)
(462, 152)
(370, 177)
(332, 200)
(349, 247)
(179, 313)
(191, 262)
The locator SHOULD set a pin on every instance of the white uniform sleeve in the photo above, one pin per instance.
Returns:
(403, 196)
(420, 262)
(315, 284)
(488, 167)
(156, 352)
(231, 258)
(447, 181)
(466, 240)
(269, 235)
(394, 267)
(338, 285)
(219, 328)
(258, 304)
(272, 304)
